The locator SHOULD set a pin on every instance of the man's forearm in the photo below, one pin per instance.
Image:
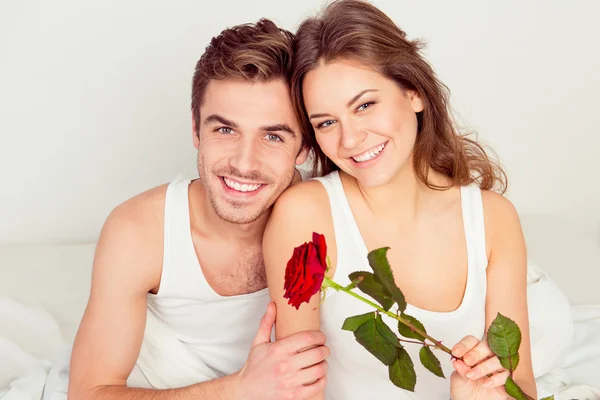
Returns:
(217, 389)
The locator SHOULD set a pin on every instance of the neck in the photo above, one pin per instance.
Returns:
(251, 233)
(402, 198)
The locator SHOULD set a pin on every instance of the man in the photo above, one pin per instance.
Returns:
(178, 284)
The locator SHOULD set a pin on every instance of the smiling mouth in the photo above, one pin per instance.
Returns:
(369, 154)
(241, 186)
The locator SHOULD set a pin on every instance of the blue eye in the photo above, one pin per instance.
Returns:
(274, 138)
(225, 130)
(364, 106)
(325, 124)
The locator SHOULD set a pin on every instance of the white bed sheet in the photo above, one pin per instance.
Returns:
(31, 342)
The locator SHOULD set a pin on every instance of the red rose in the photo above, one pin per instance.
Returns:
(305, 271)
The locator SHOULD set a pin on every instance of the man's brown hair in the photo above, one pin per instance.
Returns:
(259, 52)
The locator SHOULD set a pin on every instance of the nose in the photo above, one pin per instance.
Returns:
(352, 135)
(246, 156)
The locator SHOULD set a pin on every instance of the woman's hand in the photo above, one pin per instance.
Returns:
(479, 375)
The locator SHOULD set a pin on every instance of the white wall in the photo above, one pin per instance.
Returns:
(94, 98)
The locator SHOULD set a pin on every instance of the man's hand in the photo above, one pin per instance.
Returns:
(479, 375)
(290, 368)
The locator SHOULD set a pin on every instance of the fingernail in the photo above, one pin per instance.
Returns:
(470, 374)
(488, 383)
(459, 348)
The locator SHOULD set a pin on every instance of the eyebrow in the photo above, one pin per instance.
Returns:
(222, 120)
(352, 101)
(267, 128)
(278, 128)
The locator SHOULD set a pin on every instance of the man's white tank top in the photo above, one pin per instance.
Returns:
(189, 325)
(353, 372)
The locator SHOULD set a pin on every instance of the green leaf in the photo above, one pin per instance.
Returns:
(402, 371)
(370, 338)
(430, 361)
(386, 332)
(514, 390)
(409, 333)
(371, 287)
(548, 398)
(383, 272)
(355, 322)
(504, 337)
(510, 363)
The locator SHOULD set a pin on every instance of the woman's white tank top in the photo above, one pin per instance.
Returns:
(353, 372)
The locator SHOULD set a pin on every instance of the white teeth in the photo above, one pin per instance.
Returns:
(369, 155)
(240, 187)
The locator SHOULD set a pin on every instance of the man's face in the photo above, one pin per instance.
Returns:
(248, 146)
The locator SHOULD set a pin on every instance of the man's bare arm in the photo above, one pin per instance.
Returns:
(127, 265)
(218, 389)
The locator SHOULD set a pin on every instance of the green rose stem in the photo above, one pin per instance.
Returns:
(328, 283)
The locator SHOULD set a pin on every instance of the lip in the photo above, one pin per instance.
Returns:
(238, 194)
(371, 162)
(369, 149)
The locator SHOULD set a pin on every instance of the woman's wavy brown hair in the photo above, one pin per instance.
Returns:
(358, 31)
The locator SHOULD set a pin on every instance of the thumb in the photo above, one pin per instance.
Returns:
(460, 386)
(266, 326)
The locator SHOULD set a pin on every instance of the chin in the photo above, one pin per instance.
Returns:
(373, 181)
(240, 216)
(371, 178)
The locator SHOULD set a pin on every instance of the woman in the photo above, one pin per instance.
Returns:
(397, 174)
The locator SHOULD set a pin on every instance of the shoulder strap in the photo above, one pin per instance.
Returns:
(473, 219)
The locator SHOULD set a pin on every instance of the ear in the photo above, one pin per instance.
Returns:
(415, 101)
(302, 155)
(195, 133)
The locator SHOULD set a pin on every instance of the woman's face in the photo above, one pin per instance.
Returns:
(364, 122)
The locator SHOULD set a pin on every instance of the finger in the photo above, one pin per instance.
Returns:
(489, 366)
(266, 326)
(479, 353)
(310, 357)
(311, 374)
(497, 380)
(462, 368)
(309, 391)
(301, 341)
(457, 382)
(461, 348)
(460, 386)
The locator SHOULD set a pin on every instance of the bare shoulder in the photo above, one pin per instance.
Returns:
(502, 224)
(499, 211)
(137, 209)
(304, 199)
(137, 219)
(497, 203)
(131, 241)
(301, 210)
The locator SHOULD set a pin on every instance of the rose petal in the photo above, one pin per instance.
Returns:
(305, 271)
(319, 241)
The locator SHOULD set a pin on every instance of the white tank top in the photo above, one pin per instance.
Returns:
(353, 372)
(188, 322)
